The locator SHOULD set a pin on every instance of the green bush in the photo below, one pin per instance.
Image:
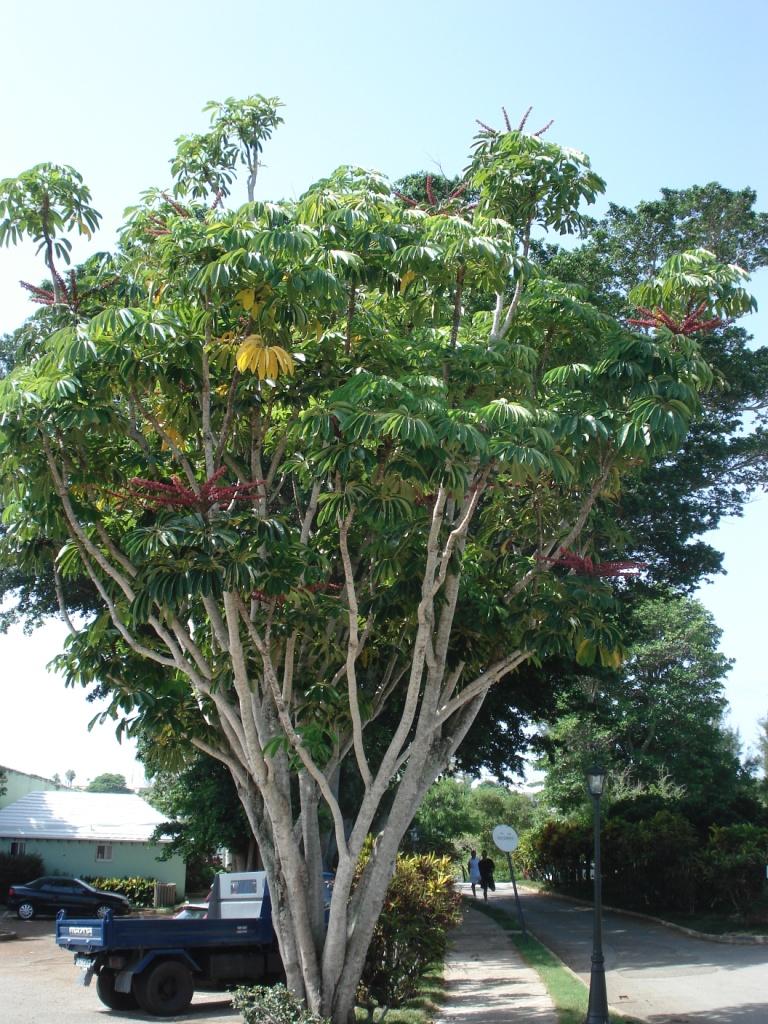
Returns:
(652, 864)
(272, 1004)
(734, 868)
(140, 891)
(411, 934)
(657, 864)
(18, 869)
(557, 852)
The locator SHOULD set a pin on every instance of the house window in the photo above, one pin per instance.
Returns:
(18, 848)
(104, 851)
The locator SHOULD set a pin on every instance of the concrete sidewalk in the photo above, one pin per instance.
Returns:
(486, 981)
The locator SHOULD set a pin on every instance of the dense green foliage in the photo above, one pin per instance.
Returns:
(18, 868)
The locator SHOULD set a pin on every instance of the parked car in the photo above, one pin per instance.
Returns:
(51, 894)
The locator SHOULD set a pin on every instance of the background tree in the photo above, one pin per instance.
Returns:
(656, 723)
(69, 775)
(455, 816)
(338, 460)
(108, 782)
(205, 812)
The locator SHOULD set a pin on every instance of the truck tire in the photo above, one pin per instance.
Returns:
(105, 990)
(165, 988)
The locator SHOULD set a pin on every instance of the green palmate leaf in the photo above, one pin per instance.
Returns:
(503, 413)
(573, 374)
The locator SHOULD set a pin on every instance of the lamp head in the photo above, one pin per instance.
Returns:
(596, 780)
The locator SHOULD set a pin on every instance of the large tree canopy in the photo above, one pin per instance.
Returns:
(335, 468)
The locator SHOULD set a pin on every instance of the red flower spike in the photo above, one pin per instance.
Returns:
(525, 118)
(691, 324)
(584, 566)
(42, 295)
(520, 127)
(547, 126)
(156, 494)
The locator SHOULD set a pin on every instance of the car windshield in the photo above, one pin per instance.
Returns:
(79, 881)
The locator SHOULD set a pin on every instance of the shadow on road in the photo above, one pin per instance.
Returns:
(749, 1013)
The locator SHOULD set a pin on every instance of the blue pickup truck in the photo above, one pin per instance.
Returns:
(157, 963)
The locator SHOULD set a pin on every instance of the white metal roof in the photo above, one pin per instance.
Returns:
(61, 814)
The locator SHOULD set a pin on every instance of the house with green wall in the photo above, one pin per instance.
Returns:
(90, 834)
(18, 784)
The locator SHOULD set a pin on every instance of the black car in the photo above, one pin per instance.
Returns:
(52, 894)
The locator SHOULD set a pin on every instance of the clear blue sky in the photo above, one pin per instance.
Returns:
(657, 93)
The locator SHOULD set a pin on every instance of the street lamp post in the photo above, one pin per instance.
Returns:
(597, 1010)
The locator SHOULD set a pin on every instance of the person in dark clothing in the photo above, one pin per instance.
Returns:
(487, 867)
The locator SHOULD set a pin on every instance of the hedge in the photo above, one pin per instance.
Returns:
(660, 863)
(18, 869)
(140, 891)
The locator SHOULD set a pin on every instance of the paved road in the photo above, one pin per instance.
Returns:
(39, 985)
(652, 972)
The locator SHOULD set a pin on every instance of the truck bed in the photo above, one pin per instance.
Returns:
(87, 935)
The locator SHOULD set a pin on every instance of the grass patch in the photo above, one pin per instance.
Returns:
(568, 994)
(421, 1009)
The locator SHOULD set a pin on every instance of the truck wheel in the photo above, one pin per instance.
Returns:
(165, 988)
(105, 990)
(26, 911)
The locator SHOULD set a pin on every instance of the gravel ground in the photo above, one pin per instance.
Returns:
(39, 984)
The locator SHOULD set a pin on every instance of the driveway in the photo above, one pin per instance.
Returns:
(39, 984)
(652, 972)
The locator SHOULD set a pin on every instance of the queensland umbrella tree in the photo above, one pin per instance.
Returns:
(332, 469)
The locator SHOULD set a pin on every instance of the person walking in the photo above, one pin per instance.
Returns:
(486, 867)
(473, 868)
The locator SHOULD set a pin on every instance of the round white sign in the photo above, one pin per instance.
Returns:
(505, 838)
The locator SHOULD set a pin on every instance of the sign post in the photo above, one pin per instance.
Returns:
(506, 839)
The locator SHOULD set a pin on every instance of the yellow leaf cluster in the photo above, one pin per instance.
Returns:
(252, 299)
(405, 280)
(266, 361)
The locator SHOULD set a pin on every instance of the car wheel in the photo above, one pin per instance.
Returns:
(26, 911)
(105, 989)
(101, 910)
(165, 988)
